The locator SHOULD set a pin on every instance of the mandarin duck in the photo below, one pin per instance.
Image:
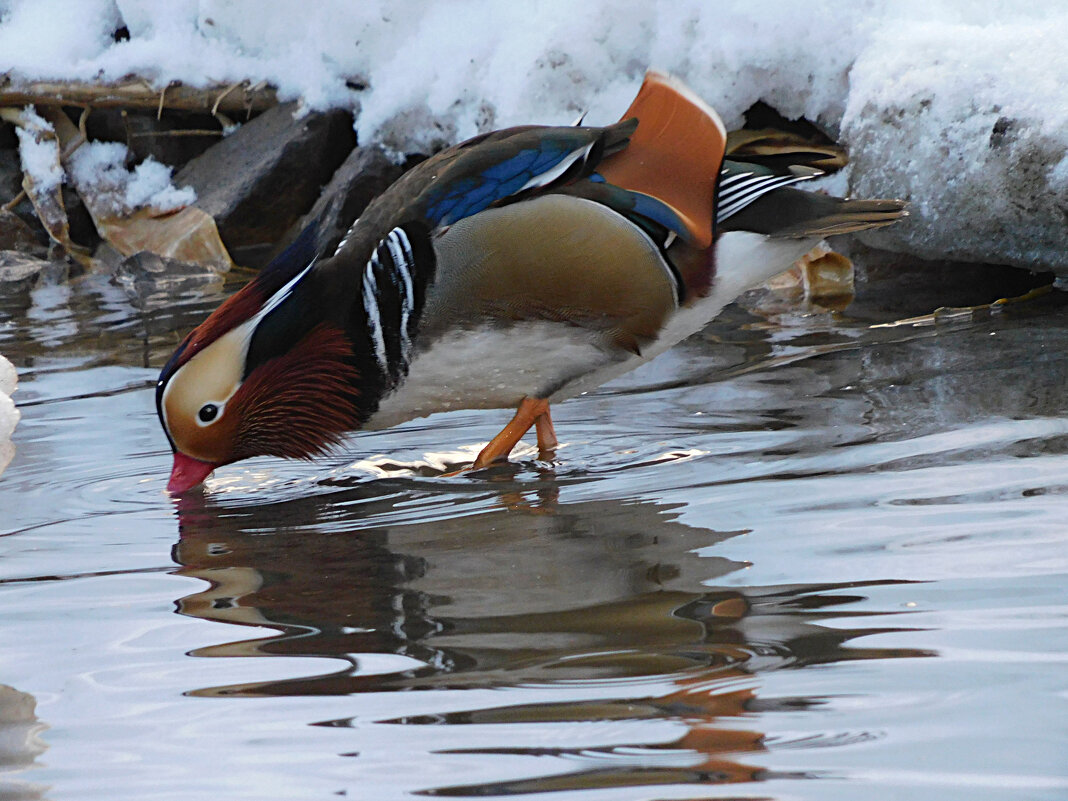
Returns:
(513, 270)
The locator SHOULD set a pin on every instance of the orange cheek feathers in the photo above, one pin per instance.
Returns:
(214, 443)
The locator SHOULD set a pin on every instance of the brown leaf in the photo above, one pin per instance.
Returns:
(827, 277)
(47, 200)
(188, 235)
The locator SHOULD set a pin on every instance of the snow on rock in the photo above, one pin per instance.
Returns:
(9, 415)
(970, 123)
(99, 171)
(955, 105)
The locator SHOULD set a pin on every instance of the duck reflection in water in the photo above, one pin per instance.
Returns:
(525, 590)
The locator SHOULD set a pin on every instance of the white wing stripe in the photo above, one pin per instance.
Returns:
(276, 299)
(737, 200)
(374, 317)
(400, 251)
(562, 166)
(730, 193)
(730, 179)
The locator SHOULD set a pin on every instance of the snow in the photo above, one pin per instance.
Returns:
(9, 415)
(38, 152)
(955, 105)
(99, 171)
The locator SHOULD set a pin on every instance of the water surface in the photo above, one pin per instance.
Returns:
(798, 557)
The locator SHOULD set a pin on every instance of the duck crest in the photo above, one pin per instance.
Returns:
(258, 297)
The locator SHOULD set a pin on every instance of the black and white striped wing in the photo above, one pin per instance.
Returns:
(741, 184)
(394, 289)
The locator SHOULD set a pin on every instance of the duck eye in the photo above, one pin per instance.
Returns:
(208, 412)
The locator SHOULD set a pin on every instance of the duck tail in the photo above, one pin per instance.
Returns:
(793, 213)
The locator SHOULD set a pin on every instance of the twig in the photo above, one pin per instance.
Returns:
(137, 93)
(10, 205)
(185, 132)
(162, 96)
(219, 99)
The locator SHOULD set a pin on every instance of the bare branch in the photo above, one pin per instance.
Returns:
(138, 93)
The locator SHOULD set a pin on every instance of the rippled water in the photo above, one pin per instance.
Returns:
(799, 557)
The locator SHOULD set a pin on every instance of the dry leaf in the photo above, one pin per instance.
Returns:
(47, 198)
(189, 235)
(827, 277)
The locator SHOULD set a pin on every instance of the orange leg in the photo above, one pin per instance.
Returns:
(531, 412)
(547, 441)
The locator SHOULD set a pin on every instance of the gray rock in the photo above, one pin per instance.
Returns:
(151, 269)
(17, 234)
(366, 173)
(10, 174)
(146, 275)
(259, 180)
(20, 272)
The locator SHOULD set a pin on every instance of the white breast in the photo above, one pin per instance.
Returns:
(491, 367)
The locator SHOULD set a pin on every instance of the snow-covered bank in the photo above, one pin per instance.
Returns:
(9, 415)
(957, 106)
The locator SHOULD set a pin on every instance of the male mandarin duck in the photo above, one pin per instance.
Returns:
(513, 270)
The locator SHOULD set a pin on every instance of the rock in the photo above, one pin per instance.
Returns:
(259, 180)
(79, 222)
(366, 173)
(16, 234)
(20, 272)
(10, 174)
(151, 277)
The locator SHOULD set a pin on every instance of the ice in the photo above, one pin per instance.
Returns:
(9, 415)
(956, 106)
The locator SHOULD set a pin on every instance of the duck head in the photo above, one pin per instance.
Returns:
(262, 376)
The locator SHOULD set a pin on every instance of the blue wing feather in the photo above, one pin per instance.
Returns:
(471, 192)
